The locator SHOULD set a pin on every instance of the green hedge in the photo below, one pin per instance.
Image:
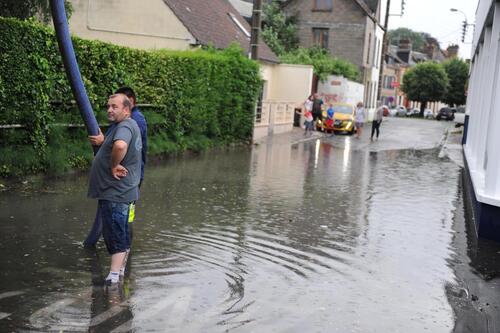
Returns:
(200, 98)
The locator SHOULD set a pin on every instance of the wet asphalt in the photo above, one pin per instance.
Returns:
(294, 234)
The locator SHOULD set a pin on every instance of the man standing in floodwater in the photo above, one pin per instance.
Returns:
(97, 140)
(114, 180)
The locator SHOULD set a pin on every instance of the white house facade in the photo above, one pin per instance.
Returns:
(482, 136)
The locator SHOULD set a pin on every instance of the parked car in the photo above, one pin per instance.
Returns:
(428, 114)
(460, 116)
(446, 113)
(401, 111)
(412, 112)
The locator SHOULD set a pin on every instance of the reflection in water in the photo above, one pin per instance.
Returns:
(347, 152)
(316, 153)
(301, 238)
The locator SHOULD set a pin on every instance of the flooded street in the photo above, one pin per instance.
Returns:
(292, 235)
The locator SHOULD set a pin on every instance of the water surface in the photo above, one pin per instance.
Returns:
(318, 236)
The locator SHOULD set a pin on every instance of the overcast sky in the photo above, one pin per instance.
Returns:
(435, 17)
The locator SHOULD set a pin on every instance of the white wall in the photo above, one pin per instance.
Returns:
(291, 83)
(286, 87)
(483, 106)
(148, 25)
(338, 89)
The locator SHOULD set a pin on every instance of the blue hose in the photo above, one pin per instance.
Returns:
(71, 66)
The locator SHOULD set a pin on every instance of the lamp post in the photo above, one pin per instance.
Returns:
(456, 10)
(465, 24)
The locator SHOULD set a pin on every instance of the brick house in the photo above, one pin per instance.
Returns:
(348, 29)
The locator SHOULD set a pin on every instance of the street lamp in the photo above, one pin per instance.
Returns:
(464, 23)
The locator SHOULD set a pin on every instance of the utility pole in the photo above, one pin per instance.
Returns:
(384, 51)
(256, 21)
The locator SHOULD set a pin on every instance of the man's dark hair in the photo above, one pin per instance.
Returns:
(129, 92)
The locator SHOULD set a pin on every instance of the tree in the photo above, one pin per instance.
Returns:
(417, 39)
(323, 64)
(280, 31)
(458, 73)
(426, 82)
(24, 9)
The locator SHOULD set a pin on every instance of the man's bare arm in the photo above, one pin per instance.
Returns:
(117, 154)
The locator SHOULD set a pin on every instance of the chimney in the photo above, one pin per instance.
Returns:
(452, 51)
(404, 50)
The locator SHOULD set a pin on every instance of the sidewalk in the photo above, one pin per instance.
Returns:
(395, 134)
(452, 146)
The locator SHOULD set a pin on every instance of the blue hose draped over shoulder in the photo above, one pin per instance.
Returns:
(71, 66)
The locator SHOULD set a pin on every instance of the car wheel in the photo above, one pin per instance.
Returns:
(438, 118)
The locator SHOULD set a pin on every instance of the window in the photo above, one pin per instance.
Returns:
(369, 47)
(379, 54)
(375, 53)
(323, 5)
(320, 37)
(388, 80)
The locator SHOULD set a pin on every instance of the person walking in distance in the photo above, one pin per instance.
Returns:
(359, 119)
(114, 180)
(97, 140)
(317, 111)
(377, 120)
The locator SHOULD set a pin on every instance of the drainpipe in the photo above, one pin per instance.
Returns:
(71, 66)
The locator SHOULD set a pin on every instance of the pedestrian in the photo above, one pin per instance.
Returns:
(114, 180)
(317, 108)
(330, 121)
(308, 104)
(97, 140)
(309, 122)
(359, 119)
(377, 120)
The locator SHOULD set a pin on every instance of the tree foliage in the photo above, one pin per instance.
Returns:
(279, 31)
(323, 63)
(24, 9)
(458, 73)
(417, 39)
(426, 82)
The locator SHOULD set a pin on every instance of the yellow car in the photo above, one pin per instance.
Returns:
(343, 119)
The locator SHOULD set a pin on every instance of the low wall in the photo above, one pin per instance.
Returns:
(276, 117)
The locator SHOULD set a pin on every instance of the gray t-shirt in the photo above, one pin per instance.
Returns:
(103, 185)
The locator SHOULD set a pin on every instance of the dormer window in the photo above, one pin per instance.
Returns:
(323, 5)
(239, 24)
